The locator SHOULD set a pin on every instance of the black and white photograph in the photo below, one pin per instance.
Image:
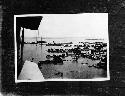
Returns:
(62, 47)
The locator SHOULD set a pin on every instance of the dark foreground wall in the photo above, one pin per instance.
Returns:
(116, 10)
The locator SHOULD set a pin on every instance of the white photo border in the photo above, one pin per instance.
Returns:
(96, 79)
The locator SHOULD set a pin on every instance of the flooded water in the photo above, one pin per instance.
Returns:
(39, 52)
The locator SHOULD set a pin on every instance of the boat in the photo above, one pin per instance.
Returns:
(54, 44)
(68, 43)
(41, 42)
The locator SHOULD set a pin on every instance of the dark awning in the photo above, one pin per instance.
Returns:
(29, 22)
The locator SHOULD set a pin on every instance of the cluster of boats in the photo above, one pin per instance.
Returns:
(97, 53)
(57, 55)
(60, 59)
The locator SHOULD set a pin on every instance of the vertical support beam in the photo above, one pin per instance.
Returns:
(20, 60)
(22, 45)
(23, 36)
(18, 28)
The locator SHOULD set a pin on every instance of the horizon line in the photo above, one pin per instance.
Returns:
(88, 38)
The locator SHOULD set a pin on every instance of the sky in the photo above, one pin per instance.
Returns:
(89, 25)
